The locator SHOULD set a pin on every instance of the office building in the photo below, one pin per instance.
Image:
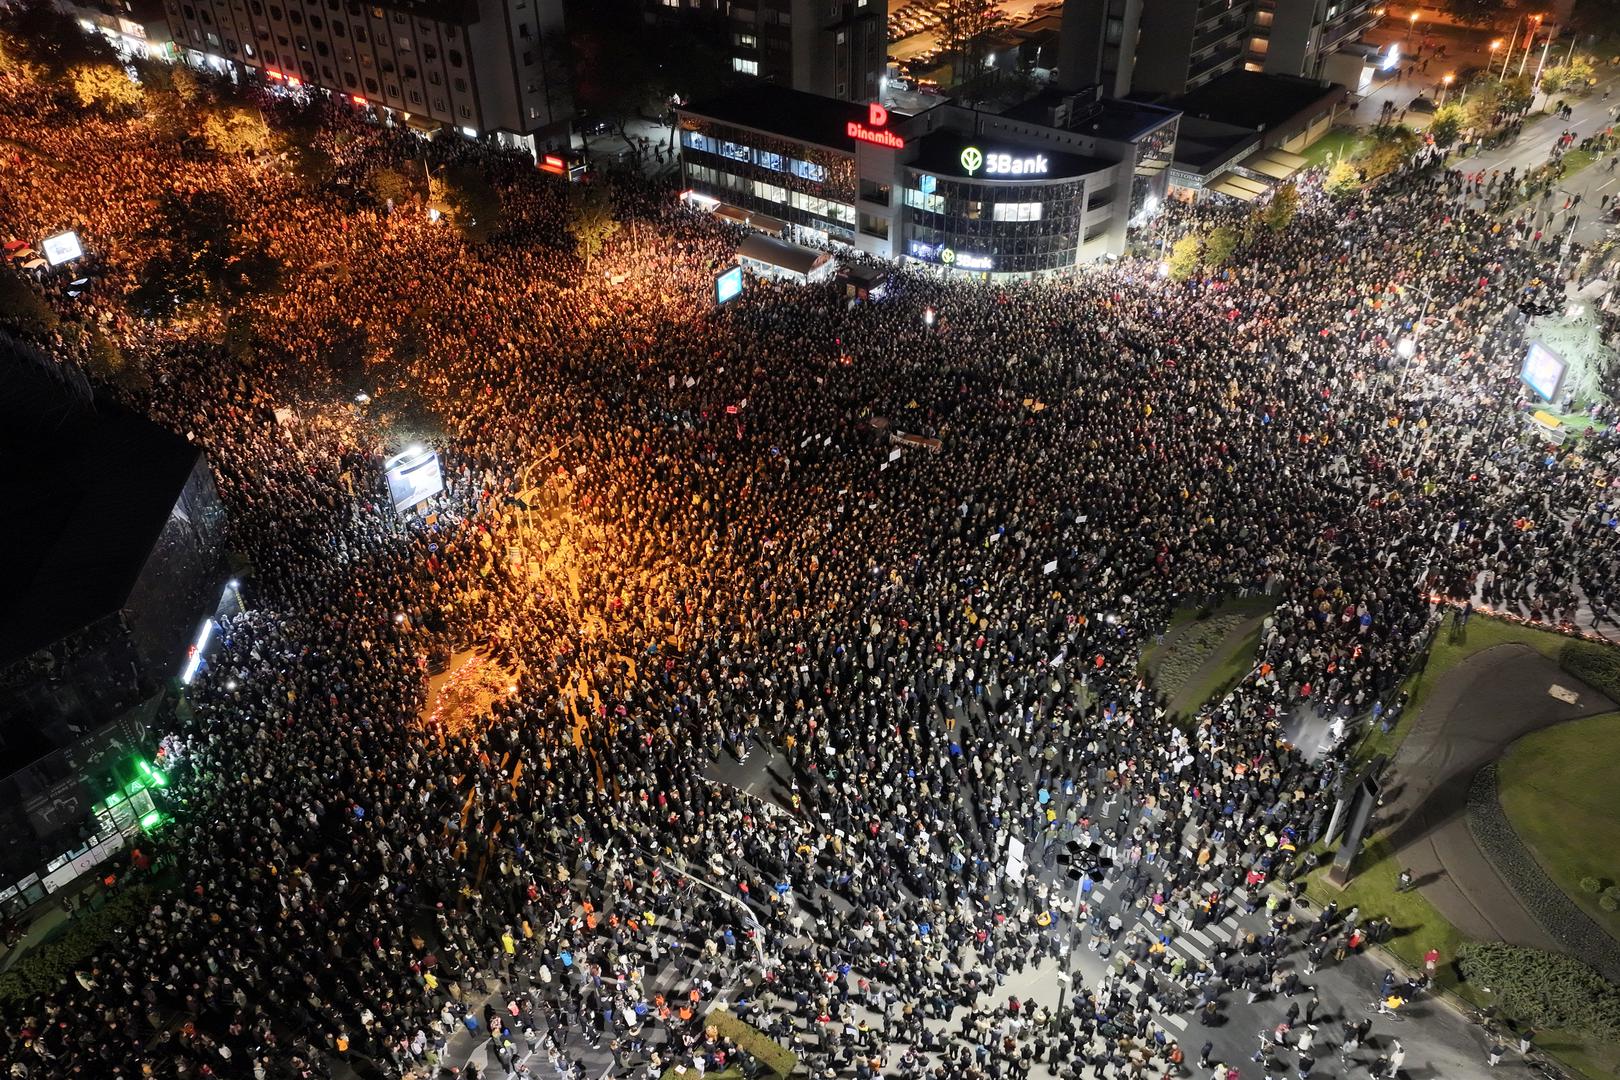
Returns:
(834, 48)
(1031, 192)
(479, 66)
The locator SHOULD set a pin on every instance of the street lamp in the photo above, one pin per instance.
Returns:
(1411, 23)
(1445, 84)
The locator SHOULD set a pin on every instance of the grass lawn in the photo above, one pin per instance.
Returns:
(1418, 926)
(1202, 657)
(1561, 789)
(1448, 651)
(1576, 160)
(1340, 142)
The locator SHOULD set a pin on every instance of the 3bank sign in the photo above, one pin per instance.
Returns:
(974, 159)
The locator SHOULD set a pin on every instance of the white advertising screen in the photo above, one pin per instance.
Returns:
(61, 248)
(412, 477)
(1543, 371)
(728, 285)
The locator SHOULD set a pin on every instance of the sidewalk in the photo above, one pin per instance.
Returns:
(1472, 715)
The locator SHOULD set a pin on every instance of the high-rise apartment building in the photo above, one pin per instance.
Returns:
(481, 66)
(1292, 37)
(1162, 47)
(834, 48)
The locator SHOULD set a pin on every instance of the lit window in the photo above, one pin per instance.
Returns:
(747, 67)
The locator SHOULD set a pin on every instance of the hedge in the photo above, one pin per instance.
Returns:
(47, 967)
(1544, 989)
(1596, 665)
(765, 1050)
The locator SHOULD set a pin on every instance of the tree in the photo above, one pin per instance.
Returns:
(1563, 78)
(198, 255)
(1185, 255)
(1544, 989)
(964, 30)
(50, 39)
(1283, 207)
(21, 305)
(1447, 125)
(390, 186)
(1219, 245)
(1343, 179)
(231, 129)
(462, 194)
(103, 85)
(1392, 147)
(1476, 12)
(591, 221)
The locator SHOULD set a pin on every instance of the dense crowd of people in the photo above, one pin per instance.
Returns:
(683, 539)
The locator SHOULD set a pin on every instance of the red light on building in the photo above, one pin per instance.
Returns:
(876, 137)
(877, 119)
(273, 73)
(552, 163)
(358, 100)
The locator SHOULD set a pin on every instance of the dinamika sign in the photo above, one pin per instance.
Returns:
(875, 130)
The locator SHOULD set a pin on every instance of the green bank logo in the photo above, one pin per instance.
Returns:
(972, 159)
(947, 256)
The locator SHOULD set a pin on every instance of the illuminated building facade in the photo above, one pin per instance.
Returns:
(1031, 192)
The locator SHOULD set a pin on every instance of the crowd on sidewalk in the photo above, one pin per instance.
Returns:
(718, 548)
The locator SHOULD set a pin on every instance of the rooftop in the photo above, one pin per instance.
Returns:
(1112, 118)
(794, 114)
(91, 486)
(1255, 100)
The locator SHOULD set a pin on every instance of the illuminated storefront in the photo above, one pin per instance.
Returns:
(964, 191)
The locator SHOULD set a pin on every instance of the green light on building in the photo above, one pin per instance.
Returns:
(152, 820)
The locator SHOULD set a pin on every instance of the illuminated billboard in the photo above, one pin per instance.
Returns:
(729, 285)
(1543, 371)
(413, 477)
(61, 248)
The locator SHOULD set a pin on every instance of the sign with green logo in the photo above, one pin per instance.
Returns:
(972, 158)
(947, 256)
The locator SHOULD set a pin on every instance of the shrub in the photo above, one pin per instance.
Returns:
(765, 1050)
(1609, 901)
(1596, 665)
(1591, 885)
(47, 967)
(1544, 989)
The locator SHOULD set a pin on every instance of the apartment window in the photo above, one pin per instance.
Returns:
(460, 84)
(340, 29)
(807, 170)
(255, 7)
(1263, 18)
(407, 70)
(455, 58)
(316, 22)
(770, 192)
(387, 66)
(416, 99)
(842, 37)
(747, 41)
(1024, 211)
(371, 84)
(433, 79)
(528, 59)
(438, 104)
(404, 43)
(295, 16)
(247, 49)
(360, 35)
(466, 113)
(429, 52)
(768, 160)
(303, 45)
(321, 49)
(747, 67)
(348, 80)
(326, 73)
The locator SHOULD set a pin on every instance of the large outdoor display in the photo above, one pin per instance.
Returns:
(1543, 371)
(414, 477)
(63, 247)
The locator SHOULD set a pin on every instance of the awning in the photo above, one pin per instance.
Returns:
(779, 253)
(1277, 164)
(732, 214)
(1238, 187)
(767, 224)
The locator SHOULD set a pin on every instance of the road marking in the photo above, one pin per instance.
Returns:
(1174, 1020)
